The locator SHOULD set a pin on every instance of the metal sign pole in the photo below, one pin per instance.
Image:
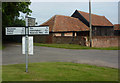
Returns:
(26, 43)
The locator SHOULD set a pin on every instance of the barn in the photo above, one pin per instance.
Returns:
(68, 28)
(65, 27)
(61, 25)
(101, 26)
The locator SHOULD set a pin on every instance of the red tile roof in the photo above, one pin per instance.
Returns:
(96, 19)
(117, 27)
(60, 23)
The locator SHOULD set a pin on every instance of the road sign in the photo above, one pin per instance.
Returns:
(39, 30)
(15, 30)
(30, 46)
(27, 41)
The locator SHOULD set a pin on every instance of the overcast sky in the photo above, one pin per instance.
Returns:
(43, 11)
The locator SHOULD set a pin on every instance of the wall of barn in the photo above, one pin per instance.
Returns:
(117, 32)
(105, 41)
(103, 30)
(83, 33)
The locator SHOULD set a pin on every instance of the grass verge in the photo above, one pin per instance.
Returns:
(2, 47)
(73, 46)
(58, 71)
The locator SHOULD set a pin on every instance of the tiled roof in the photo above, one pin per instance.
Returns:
(59, 23)
(96, 19)
(117, 27)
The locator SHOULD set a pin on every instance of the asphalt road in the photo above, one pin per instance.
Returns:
(12, 54)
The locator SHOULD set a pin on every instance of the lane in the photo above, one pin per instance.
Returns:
(12, 54)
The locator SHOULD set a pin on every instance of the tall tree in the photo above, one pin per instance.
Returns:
(10, 13)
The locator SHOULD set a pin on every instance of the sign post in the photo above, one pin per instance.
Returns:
(26, 31)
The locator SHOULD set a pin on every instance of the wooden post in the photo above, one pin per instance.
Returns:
(90, 23)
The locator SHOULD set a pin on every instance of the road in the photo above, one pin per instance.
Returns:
(12, 54)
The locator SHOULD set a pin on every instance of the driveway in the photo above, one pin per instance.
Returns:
(12, 54)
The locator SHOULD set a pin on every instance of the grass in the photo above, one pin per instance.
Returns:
(1, 47)
(58, 71)
(73, 46)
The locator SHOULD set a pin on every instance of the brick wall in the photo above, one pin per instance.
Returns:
(43, 38)
(105, 41)
(69, 40)
(97, 41)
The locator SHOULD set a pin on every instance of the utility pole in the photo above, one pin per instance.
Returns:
(26, 43)
(90, 23)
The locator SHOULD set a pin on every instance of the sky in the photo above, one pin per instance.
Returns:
(73, 0)
(43, 11)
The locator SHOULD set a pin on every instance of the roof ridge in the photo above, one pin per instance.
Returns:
(66, 16)
(91, 13)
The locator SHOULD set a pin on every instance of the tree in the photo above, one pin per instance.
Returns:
(19, 22)
(11, 11)
(10, 14)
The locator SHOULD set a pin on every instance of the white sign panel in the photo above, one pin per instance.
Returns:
(39, 30)
(15, 30)
(23, 45)
(30, 46)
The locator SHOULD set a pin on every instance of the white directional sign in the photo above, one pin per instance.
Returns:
(30, 45)
(39, 30)
(15, 30)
